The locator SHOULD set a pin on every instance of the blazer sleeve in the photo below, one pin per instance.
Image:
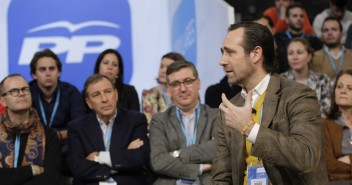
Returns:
(221, 172)
(295, 137)
(161, 161)
(123, 159)
(80, 167)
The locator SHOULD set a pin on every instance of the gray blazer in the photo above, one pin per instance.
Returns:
(289, 141)
(166, 135)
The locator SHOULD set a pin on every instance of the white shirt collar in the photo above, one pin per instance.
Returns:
(258, 90)
(111, 121)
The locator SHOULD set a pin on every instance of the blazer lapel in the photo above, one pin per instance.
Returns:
(203, 118)
(177, 125)
(271, 100)
(94, 133)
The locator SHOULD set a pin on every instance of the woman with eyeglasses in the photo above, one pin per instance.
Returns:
(338, 129)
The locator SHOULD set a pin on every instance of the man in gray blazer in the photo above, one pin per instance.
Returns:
(287, 141)
(182, 138)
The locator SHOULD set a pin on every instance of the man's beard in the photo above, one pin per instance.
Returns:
(295, 28)
(333, 45)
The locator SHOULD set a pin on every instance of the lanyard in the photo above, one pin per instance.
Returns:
(107, 139)
(166, 99)
(54, 110)
(179, 117)
(16, 149)
(332, 62)
(290, 36)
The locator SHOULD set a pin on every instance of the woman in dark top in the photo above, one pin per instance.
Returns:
(110, 64)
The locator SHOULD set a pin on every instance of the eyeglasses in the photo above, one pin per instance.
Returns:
(16, 91)
(177, 84)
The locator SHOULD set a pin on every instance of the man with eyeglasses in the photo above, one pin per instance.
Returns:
(57, 102)
(182, 138)
(29, 151)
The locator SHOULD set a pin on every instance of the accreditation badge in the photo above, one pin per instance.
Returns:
(257, 175)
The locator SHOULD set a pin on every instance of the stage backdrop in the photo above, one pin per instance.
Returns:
(142, 31)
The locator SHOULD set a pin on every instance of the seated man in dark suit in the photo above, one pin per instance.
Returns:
(109, 145)
(182, 138)
(29, 151)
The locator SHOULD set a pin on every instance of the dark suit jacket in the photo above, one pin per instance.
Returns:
(213, 92)
(166, 135)
(128, 98)
(85, 136)
(289, 141)
(23, 175)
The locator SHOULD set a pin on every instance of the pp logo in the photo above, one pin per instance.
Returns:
(77, 31)
(75, 47)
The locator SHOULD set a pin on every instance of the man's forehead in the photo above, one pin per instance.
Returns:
(181, 74)
(99, 85)
(14, 81)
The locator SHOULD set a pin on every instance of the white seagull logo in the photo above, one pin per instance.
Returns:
(73, 27)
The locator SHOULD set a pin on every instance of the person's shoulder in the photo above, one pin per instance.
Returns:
(82, 120)
(128, 87)
(210, 111)
(66, 86)
(291, 88)
(166, 114)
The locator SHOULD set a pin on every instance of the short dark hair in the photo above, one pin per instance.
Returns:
(44, 53)
(2, 89)
(174, 56)
(255, 35)
(119, 80)
(94, 79)
(332, 19)
(292, 6)
(334, 109)
(340, 4)
(176, 66)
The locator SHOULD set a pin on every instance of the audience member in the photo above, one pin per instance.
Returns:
(272, 131)
(338, 129)
(110, 64)
(29, 150)
(110, 144)
(213, 92)
(57, 102)
(182, 137)
(295, 21)
(300, 53)
(337, 10)
(334, 57)
(158, 99)
(277, 14)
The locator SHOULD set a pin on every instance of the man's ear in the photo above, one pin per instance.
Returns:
(256, 54)
(2, 101)
(34, 76)
(88, 103)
